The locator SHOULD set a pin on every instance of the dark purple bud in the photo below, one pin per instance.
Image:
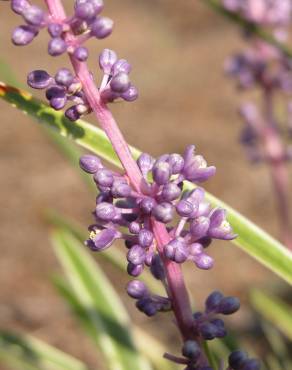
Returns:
(170, 192)
(81, 54)
(55, 29)
(176, 162)
(161, 173)
(134, 270)
(102, 27)
(147, 306)
(39, 79)
(228, 305)
(121, 66)
(191, 349)
(208, 330)
(105, 211)
(136, 289)
(199, 227)
(85, 10)
(90, 163)
(58, 102)
(103, 239)
(57, 46)
(145, 163)
(163, 212)
(136, 255)
(18, 6)
(203, 261)
(64, 77)
(120, 83)
(198, 315)
(55, 91)
(237, 358)
(156, 268)
(120, 189)
(220, 328)
(131, 94)
(134, 227)
(213, 301)
(33, 15)
(251, 364)
(145, 238)
(219, 226)
(184, 208)
(72, 113)
(104, 177)
(147, 205)
(176, 250)
(23, 35)
(107, 59)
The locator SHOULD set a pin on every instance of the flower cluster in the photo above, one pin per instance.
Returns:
(119, 208)
(69, 36)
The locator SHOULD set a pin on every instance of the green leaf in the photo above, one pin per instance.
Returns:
(24, 352)
(252, 239)
(274, 310)
(107, 315)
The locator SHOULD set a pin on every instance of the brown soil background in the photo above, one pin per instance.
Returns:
(177, 52)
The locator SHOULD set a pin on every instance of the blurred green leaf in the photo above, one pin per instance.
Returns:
(274, 310)
(24, 352)
(100, 303)
(252, 239)
(6, 73)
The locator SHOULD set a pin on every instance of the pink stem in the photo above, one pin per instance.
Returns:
(179, 295)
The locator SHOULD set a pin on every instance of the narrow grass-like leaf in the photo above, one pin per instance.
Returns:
(101, 304)
(252, 239)
(274, 310)
(24, 352)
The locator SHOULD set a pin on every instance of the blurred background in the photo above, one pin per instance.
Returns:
(177, 50)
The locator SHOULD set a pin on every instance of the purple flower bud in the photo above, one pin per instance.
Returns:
(220, 328)
(134, 227)
(120, 189)
(251, 364)
(81, 54)
(90, 163)
(104, 177)
(102, 27)
(145, 238)
(72, 113)
(134, 270)
(176, 162)
(208, 330)
(237, 358)
(176, 250)
(228, 305)
(39, 79)
(105, 211)
(121, 66)
(85, 10)
(147, 205)
(120, 83)
(161, 173)
(147, 306)
(203, 261)
(18, 6)
(170, 192)
(219, 226)
(191, 349)
(136, 255)
(195, 167)
(107, 59)
(195, 249)
(199, 227)
(163, 212)
(131, 94)
(213, 301)
(33, 15)
(64, 77)
(184, 208)
(102, 240)
(55, 91)
(156, 268)
(57, 46)
(145, 163)
(23, 35)
(58, 102)
(55, 29)
(137, 289)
